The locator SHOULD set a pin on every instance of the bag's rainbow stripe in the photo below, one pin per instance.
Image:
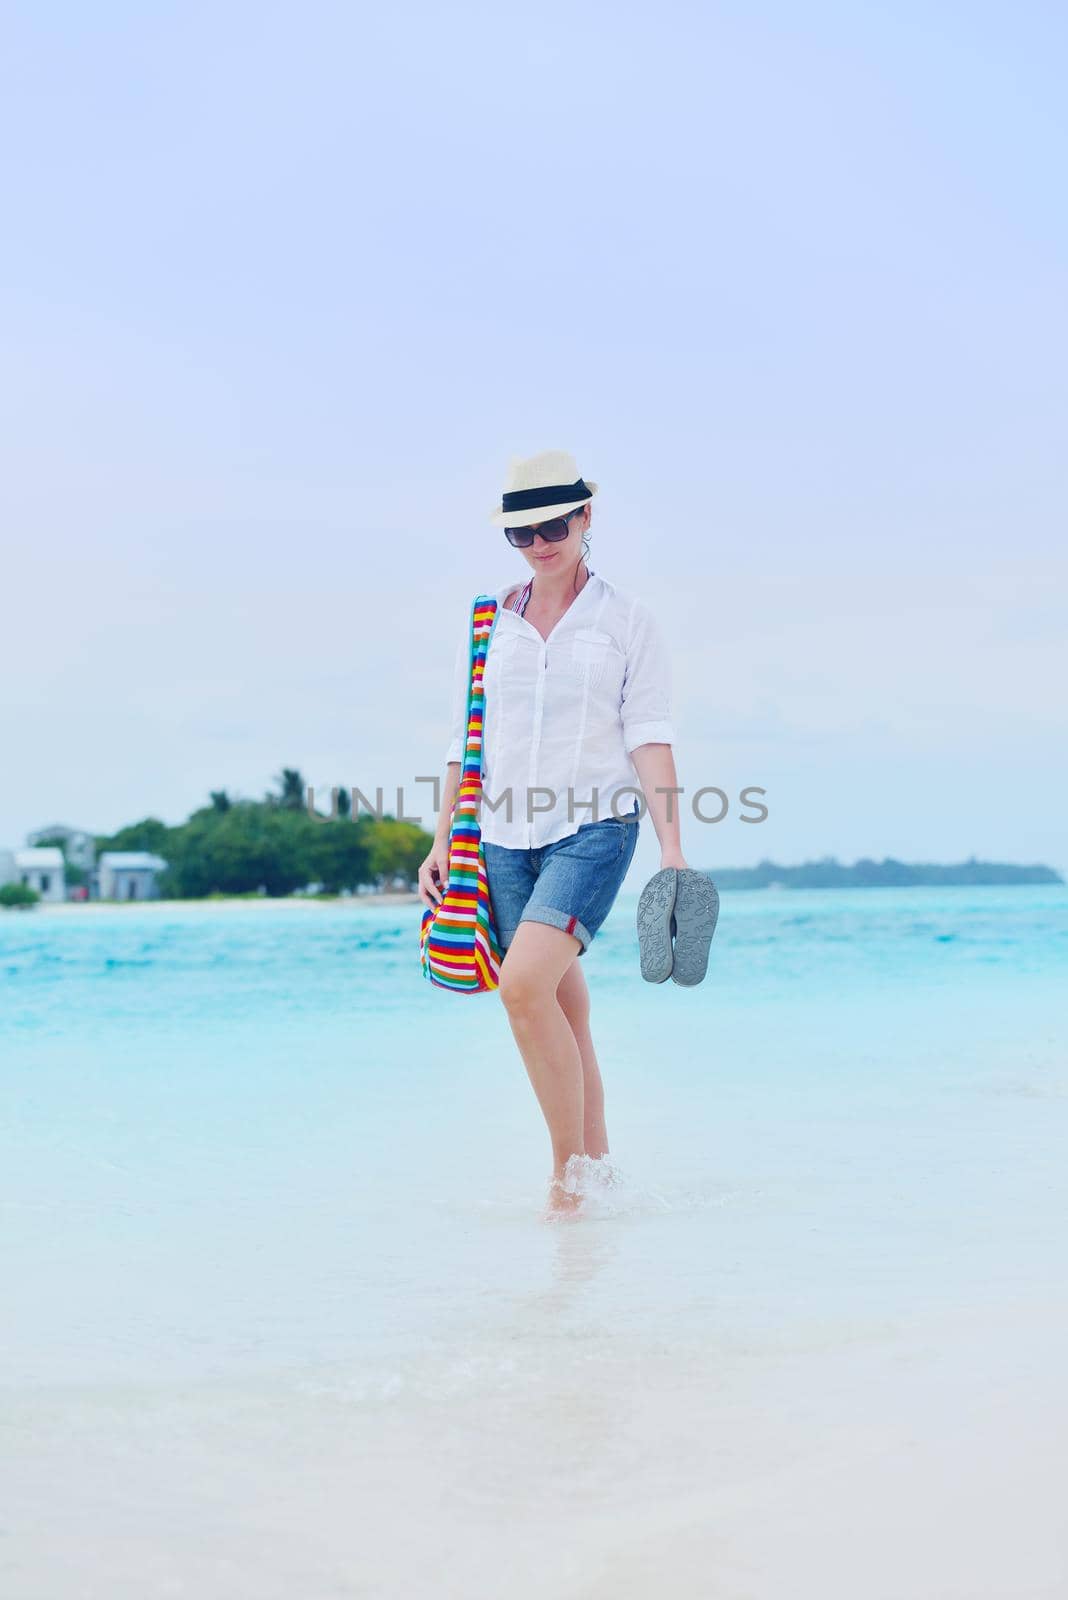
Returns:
(458, 944)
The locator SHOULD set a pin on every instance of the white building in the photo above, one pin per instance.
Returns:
(78, 847)
(42, 869)
(128, 875)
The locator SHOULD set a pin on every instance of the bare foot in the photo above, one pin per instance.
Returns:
(561, 1202)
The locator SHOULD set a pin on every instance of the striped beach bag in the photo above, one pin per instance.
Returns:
(458, 944)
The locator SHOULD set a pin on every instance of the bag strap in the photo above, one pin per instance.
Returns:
(488, 607)
(484, 614)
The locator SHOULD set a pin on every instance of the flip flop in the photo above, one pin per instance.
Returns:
(656, 924)
(695, 912)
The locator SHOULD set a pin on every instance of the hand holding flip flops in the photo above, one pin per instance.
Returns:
(680, 904)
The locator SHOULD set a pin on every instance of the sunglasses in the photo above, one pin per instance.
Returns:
(555, 530)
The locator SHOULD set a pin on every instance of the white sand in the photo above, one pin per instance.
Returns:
(930, 1469)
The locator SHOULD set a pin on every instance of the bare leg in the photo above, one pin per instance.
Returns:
(530, 975)
(574, 998)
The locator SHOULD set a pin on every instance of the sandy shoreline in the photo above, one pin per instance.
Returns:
(807, 1347)
(78, 908)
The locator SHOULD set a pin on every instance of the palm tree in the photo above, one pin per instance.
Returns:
(291, 789)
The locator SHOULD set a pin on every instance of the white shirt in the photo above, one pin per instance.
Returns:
(564, 713)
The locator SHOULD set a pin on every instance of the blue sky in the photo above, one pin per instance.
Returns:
(283, 289)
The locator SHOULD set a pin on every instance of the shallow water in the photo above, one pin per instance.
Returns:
(287, 1319)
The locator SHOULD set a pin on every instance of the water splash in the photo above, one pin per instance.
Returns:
(606, 1191)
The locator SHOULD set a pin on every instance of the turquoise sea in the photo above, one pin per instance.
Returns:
(283, 1317)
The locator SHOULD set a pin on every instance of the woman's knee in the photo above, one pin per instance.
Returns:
(533, 966)
(522, 988)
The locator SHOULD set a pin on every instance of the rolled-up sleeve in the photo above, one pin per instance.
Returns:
(458, 714)
(646, 706)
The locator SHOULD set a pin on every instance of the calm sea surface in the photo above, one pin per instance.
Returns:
(282, 1317)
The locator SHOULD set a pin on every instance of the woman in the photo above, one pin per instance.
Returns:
(577, 718)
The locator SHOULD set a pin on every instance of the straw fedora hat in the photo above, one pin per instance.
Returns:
(540, 487)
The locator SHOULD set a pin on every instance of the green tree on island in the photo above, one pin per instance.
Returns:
(275, 846)
(291, 790)
(17, 896)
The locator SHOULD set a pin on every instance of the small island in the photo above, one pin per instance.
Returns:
(887, 874)
(271, 847)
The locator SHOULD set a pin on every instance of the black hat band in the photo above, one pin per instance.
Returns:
(554, 494)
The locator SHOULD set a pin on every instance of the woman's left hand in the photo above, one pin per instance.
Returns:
(673, 858)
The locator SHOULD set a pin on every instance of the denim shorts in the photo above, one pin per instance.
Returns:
(570, 884)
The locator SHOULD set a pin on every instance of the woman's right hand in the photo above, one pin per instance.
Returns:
(434, 873)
